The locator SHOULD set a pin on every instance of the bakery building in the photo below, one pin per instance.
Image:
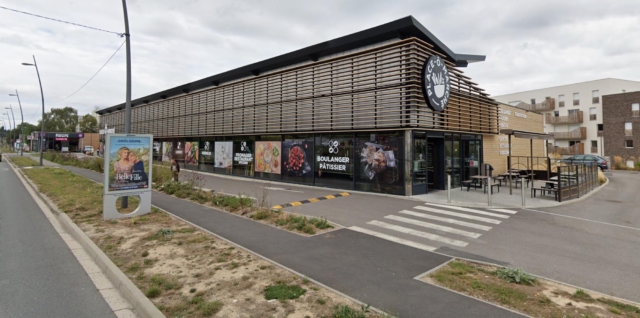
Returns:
(387, 109)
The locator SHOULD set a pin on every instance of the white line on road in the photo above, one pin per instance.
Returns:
(393, 239)
(469, 210)
(282, 189)
(426, 235)
(460, 215)
(505, 211)
(433, 226)
(586, 220)
(446, 220)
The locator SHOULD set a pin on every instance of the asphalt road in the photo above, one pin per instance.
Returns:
(39, 275)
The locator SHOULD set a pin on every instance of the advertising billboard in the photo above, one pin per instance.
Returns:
(127, 163)
(167, 150)
(191, 153)
(268, 156)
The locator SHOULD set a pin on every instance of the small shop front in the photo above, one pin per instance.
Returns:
(61, 142)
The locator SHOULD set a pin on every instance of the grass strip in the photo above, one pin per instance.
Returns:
(185, 272)
(24, 161)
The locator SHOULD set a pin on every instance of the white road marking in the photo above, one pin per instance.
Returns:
(393, 239)
(426, 235)
(433, 226)
(446, 220)
(460, 215)
(505, 211)
(282, 189)
(586, 220)
(469, 210)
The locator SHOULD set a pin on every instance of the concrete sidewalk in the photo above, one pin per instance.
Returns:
(372, 270)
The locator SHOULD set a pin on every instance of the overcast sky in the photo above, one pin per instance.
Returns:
(528, 44)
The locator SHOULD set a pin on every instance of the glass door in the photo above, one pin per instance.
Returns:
(471, 152)
(419, 163)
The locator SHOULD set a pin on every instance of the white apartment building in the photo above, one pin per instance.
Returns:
(573, 113)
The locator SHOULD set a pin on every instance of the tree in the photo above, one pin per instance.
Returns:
(60, 120)
(89, 124)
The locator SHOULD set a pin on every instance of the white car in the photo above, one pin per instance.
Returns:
(88, 150)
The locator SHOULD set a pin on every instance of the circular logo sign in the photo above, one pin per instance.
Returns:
(436, 84)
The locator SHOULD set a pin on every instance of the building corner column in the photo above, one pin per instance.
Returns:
(407, 162)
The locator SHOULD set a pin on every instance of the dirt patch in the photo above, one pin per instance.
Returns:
(542, 298)
(184, 271)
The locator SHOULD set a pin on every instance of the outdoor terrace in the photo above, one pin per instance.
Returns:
(573, 118)
(576, 134)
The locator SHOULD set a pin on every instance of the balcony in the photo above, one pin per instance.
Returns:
(594, 149)
(576, 134)
(573, 118)
(577, 149)
(546, 105)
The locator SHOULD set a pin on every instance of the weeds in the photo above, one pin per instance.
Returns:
(515, 275)
(344, 311)
(582, 295)
(210, 308)
(91, 163)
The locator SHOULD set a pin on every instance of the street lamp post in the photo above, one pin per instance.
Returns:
(127, 112)
(22, 124)
(14, 123)
(41, 95)
(12, 129)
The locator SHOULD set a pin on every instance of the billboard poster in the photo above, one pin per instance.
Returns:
(333, 158)
(223, 151)
(297, 157)
(191, 153)
(242, 154)
(128, 160)
(167, 150)
(268, 156)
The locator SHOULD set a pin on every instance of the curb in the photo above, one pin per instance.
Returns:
(142, 306)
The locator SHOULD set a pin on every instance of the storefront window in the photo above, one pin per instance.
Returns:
(297, 159)
(452, 158)
(268, 159)
(191, 154)
(243, 156)
(223, 155)
(334, 165)
(167, 150)
(206, 154)
(380, 164)
(419, 164)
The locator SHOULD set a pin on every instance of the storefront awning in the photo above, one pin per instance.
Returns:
(526, 134)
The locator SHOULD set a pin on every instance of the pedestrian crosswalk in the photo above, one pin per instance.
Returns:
(430, 225)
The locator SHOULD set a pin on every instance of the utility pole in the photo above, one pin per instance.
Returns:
(41, 95)
(12, 129)
(127, 112)
(14, 124)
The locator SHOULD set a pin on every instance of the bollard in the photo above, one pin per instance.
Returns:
(488, 194)
(448, 188)
(522, 193)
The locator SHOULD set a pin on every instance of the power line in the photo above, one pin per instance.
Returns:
(52, 19)
(94, 75)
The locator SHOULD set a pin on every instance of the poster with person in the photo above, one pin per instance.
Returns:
(191, 153)
(128, 160)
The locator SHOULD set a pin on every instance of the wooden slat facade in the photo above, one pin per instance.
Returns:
(374, 89)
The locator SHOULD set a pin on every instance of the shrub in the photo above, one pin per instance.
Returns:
(321, 223)
(515, 275)
(282, 291)
(210, 308)
(601, 178)
(161, 174)
(344, 311)
(153, 292)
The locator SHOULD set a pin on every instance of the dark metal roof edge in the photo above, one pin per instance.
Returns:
(404, 27)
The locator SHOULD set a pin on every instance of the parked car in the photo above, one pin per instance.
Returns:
(587, 159)
(88, 150)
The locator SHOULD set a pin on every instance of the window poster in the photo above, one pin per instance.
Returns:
(206, 151)
(297, 157)
(178, 150)
(223, 151)
(380, 162)
(268, 156)
(157, 147)
(242, 155)
(128, 165)
(167, 150)
(191, 153)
